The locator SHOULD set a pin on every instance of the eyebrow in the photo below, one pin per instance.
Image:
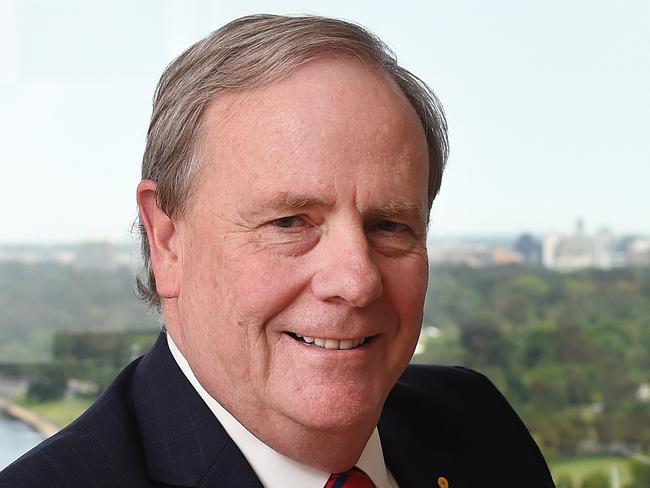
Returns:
(287, 201)
(284, 201)
(397, 209)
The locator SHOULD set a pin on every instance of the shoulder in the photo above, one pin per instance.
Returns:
(457, 388)
(466, 400)
(454, 386)
(449, 384)
(461, 410)
(99, 449)
(425, 376)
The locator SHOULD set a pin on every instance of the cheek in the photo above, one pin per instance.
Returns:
(406, 282)
(405, 286)
(263, 286)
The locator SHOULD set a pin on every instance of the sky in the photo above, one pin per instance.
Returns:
(547, 103)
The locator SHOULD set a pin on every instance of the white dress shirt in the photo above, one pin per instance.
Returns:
(273, 469)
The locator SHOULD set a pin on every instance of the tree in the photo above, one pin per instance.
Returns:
(640, 476)
(595, 480)
(48, 383)
(564, 481)
(484, 342)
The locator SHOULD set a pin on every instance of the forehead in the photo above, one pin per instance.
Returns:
(333, 89)
(332, 117)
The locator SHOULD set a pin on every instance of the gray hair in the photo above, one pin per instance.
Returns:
(247, 53)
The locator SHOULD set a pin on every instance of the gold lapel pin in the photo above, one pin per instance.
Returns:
(442, 482)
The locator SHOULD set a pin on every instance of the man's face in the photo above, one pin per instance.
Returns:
(302, 258)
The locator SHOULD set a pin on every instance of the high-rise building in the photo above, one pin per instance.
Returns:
(530, 249)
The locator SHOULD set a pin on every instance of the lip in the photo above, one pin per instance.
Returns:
(337, 336)
(289, 337)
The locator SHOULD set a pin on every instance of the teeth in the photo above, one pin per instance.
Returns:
(345, 344)
(342, 344)
(331, 344)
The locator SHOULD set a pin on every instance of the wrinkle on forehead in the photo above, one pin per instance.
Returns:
(326, 112)
(231, 103)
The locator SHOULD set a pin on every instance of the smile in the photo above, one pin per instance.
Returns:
(324, 343)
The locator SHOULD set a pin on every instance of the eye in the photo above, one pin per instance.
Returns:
(289, 222)
(390, 226)
(392, 238)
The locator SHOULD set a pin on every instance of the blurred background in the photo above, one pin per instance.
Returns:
(539, 242)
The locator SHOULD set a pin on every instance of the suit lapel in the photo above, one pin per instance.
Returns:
(231, 471)
(415, 452)
(410, 462)
(184, 443)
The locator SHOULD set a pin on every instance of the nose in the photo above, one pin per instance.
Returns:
(348, 274)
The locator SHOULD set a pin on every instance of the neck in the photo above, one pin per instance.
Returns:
(332, 451)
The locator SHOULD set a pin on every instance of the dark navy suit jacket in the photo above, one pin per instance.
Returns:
(150, 428)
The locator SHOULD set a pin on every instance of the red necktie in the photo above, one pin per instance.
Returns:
(355, 478)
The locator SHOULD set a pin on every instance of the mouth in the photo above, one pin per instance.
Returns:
(332, 344)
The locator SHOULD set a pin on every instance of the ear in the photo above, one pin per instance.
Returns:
(163, 242)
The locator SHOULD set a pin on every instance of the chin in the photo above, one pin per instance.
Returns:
(335, 409)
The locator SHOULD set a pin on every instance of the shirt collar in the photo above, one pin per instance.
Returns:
(273, 469)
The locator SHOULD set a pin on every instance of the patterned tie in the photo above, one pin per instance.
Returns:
(355, 478)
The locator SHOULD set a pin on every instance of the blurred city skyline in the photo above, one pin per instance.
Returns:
(558, 251)
(547, 104)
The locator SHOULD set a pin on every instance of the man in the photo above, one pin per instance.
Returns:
(287, 180)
